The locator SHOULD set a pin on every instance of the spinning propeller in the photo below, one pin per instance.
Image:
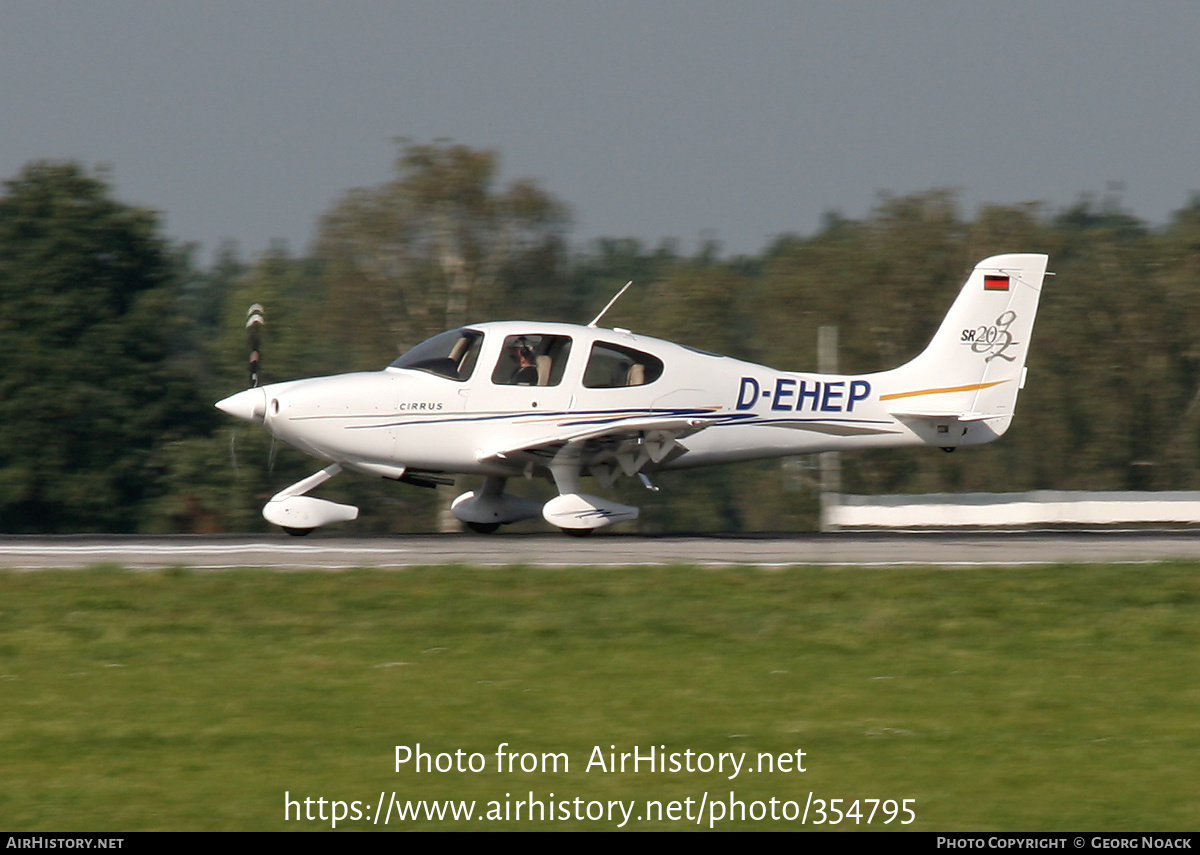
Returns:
(255, 321)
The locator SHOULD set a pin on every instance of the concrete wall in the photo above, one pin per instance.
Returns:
(1041, 507)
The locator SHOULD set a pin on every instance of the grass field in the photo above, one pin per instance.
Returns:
(1047, 698)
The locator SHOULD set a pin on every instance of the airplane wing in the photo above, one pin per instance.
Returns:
(622, 446)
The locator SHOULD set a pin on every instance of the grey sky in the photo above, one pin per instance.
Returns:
(650, 118)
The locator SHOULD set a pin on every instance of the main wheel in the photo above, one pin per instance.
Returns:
(578, 532)
(482, 528)
(298, 532)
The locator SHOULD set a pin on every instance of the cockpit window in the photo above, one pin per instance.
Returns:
(532, 360)
(613, 365)
(452, 354)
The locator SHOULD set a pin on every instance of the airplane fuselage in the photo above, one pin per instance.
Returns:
(411, 418)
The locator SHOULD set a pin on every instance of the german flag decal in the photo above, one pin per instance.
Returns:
(995, 283)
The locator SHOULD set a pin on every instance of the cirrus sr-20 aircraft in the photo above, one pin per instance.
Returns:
(517, 398)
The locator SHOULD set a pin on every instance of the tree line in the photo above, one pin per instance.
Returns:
(114, 342)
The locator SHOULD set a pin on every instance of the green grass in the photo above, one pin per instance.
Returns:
(1047, 698)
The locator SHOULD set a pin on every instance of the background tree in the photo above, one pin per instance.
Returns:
(435, 247)
(89, 394)
(114, 344)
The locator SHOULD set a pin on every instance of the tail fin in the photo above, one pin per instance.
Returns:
(962, 389)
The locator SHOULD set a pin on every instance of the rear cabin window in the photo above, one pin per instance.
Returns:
(613, 365)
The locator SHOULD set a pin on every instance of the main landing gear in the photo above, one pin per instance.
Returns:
(575, 512)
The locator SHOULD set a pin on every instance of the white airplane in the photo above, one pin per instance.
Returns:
(518, 398)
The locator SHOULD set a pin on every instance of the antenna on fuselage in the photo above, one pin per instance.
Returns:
(596, 319)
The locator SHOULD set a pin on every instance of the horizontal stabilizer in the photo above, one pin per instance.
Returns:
(930, 415)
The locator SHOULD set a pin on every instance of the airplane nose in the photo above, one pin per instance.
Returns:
(249, 405)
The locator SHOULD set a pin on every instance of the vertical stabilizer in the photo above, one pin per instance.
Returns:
(973, 368)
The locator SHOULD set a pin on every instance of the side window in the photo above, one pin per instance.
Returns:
(614, 365)
(532, 360)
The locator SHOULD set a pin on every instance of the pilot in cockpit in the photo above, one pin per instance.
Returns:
(525, 374)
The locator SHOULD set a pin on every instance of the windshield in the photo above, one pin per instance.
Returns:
(451, 354)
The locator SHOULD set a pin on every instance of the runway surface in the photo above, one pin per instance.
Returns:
(603, 550)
